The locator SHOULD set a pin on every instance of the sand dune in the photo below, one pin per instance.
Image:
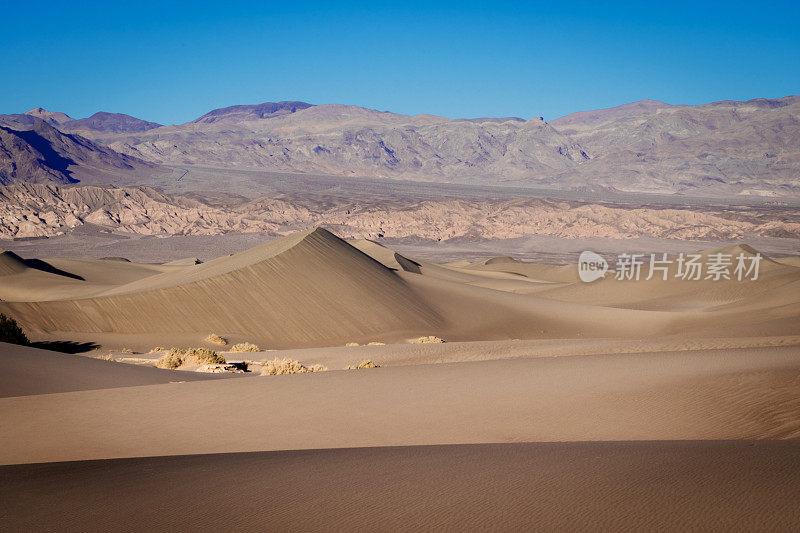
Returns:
(306, 288)
(314, 289)
(588, 486)
(11, 263)
(28, 371)
(626, 405)
(716, 394)
(340, 357)
(61, 278)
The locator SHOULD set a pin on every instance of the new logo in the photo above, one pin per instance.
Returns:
(591, 266)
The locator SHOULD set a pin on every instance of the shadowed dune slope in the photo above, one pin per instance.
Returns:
(584, 486)
(25, 370)
(306, 288)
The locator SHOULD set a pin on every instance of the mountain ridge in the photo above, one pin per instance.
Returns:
(718, 149)
(38, 152)
(111, 122)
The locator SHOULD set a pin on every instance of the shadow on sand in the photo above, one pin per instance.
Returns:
(66, 346)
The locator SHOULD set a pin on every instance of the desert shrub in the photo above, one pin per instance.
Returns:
(352, 344)
(376, 343)
(158, 349)
(176, 358)
(288, 366)
(427, 340)
(11, 332)
(245, 347)
(363, 364)
(107, 357)
(203, 356)
(127, 351)
(216, 339)
(173, 358)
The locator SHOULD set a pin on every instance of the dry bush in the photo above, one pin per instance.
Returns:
(216, 339)
(173, 358)
(376, 344)
(176, 358)
(245, 347)
(427, 340)
(127, 351)
(204, 356)
(363, 364)
(288, 366)
(352, 344)
(107, 357)
(158, 349)
(11, 332)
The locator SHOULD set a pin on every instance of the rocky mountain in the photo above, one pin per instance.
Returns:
(589, 119)
(349, 140)
(243, 113)
(52, 118)
(34, 210)
(110, 122)
(723, 148)
(32, 150)
(720, 149)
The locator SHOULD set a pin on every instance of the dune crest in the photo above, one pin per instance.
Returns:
(310, 287)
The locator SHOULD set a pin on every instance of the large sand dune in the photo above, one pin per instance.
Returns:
(314, 289)
(306, 288)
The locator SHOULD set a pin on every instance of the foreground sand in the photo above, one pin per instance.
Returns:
(664, 440)
(714, 394)
(580, 486)
(554, 405)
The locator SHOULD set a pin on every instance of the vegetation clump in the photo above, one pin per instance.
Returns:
(176, 358)
(349, 344)
(216, 339)
(11, 332)
(158, 349)
(173, 358)
(427, 340)
(245, 347)
(204, 356)
(288, 366)
(374, 343)
(363, 364)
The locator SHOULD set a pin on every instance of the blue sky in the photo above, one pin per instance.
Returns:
(170, 62)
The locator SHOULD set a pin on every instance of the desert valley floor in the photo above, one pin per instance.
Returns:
(553, 403)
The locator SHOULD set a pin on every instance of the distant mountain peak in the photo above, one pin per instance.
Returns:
(51, 117)
(598, 116)
(242, 113)
(112, 122)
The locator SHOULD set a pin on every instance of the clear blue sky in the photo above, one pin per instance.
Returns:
(170, 62)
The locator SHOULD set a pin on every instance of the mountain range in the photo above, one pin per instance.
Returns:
(718, 149)
(32, 150)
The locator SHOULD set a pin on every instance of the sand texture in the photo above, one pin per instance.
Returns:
(553, 404)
